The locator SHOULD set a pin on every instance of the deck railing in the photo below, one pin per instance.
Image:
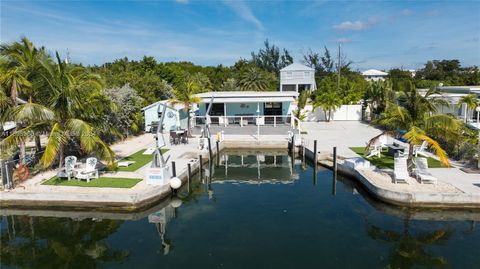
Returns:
(245, 120)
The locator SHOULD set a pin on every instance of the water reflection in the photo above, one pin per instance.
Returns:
(29, 242)
(252, 204)
(407, 248)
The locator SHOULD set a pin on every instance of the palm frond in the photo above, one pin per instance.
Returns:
(56, 139)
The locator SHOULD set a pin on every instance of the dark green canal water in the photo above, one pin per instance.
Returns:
(256, 211)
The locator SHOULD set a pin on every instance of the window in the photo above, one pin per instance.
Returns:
(306, 74)
(273, 105)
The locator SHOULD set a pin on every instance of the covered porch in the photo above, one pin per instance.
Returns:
(246, 108)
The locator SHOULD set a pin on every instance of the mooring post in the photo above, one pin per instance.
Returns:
(218, 147)
(174, 169)
(335, 161)
(200, 160)
(210, 148)
(315, 158)
(189, 174)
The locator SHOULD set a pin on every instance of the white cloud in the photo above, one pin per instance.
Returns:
(355, 25)
(406, 12)
(244, 12)
(343, 40)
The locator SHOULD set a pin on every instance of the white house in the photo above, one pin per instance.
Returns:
(296, 78)
(175, 116)
(453, 94)
(374, 75)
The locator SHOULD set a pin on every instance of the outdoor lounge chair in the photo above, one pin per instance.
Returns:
(68, 170)
(420, 149)
(374, 151)
(400, 170)
(125, 163)
(422, 173)
(89, 171)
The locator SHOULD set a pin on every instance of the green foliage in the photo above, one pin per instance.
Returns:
(386, 161)
(379, 95)
(449, 72)
(271, 59)
(101, 182)
(255, 79)
(323, 65)
(140, 160)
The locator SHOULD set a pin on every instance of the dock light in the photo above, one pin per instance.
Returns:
(175, 183)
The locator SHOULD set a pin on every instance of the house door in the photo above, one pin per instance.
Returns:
(218, 109)
(272, 109)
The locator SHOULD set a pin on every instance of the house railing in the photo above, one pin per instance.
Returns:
(245, 120)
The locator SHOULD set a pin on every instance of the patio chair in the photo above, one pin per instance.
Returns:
(420, 149)
(421, 171)
(400, 171)
(89, 171)
(183, 138)
(374, 151)
(69, 168)
(174, 138)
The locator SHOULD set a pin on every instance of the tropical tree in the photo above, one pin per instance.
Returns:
(379, 95)
(470, 102)
(229, 85)
(254, 79)
(271, 59)
(327, 98)
(71, 90)
(301, 102)
(185, 94)
(415, 114)
(20, 74)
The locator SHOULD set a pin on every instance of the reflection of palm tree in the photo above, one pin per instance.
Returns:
(60, 243)
(408, 249)
(162, 230)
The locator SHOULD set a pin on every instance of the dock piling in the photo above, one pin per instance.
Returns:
(174, 169)
(315, 153)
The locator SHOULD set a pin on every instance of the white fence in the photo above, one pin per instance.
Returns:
(344, 113)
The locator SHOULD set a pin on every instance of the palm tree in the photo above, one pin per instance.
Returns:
(69, 88)
(470, 101)
(229, 85)
(301, 102)
(185, 94)
(21, 72)
(329, 102)
(379, 94)
(415, 114)
(254, 79)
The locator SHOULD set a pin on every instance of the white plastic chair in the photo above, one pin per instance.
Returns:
(69, 168)
(374, 151)
(422, 173)
(400, 170)
(89, 171)
(420, 149)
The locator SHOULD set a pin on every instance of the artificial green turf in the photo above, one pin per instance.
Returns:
(139, 159)
(101, 182)
(386, 161)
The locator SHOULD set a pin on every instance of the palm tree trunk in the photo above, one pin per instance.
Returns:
(38, 144)
(410, 159)
(189, 134)
(23, 154)
(60, 154)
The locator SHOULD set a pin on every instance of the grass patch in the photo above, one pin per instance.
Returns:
(101, 182)
(386, 161)
(139, 159)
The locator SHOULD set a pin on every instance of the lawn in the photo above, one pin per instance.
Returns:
(386, 161)
(101, 182)
(139, 159)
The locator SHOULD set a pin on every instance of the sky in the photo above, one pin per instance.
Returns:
(373, 34)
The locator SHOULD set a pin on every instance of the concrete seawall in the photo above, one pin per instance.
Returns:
(401, 198)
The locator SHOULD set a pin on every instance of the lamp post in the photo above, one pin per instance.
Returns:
(258, 121)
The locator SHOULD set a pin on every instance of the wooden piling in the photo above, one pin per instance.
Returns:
(174, 169)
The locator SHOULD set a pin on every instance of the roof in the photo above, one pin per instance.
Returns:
(460, 89)
(374, 72)
(167, 102)
(297, 67)
(247, 97)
